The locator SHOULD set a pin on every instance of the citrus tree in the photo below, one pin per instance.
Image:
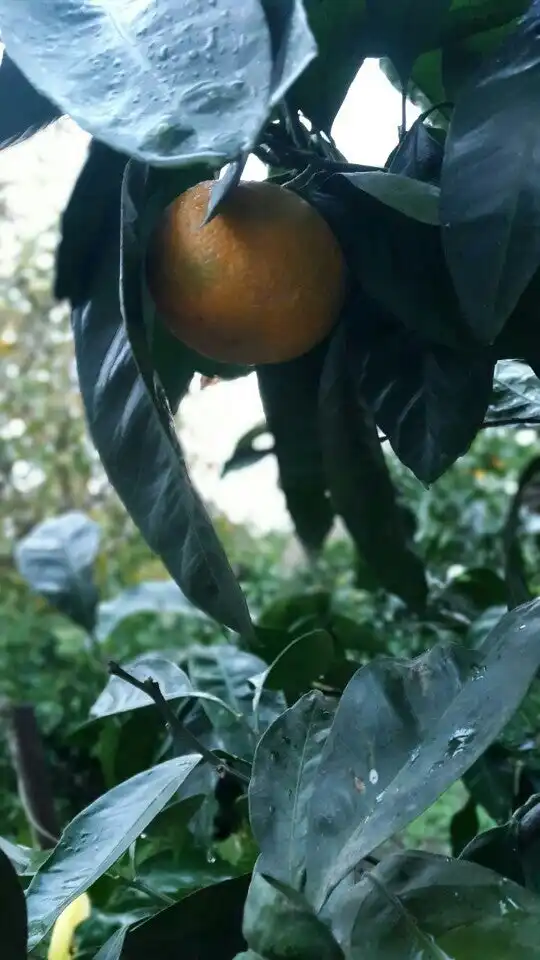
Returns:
(391, 305)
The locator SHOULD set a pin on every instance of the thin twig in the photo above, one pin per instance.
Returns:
(182, 738)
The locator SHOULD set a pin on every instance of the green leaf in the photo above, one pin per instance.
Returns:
(297, 611)
(514, 561)
(202, 926)
(56, 558)
(497, 850)
(463, 826)
(491, 782)
(429, 400)
(305, 660)
(280, 927)
(281, 786)
(97, 837)
(490, 202)
(289, 395)
(25, 860)
(133, 438)
(112, 949)
(223, 94)
(13, 923)
(403, 732)
(516, 394)
(359, 480)
(24, 110)
(407, 196)
(406, 27)
(151, 596)
(422, 905)
(174, 684)
(418, 155)
(293, 45)
(245, 453)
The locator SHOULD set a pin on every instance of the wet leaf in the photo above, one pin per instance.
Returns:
(151, 596)
(24, 111)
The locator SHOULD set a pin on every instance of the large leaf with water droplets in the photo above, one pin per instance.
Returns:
(23, 110)
(516, 394)
(166, 82)
(97, 837)
(403, 732)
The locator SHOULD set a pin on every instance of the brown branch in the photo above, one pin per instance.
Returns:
(31, 768)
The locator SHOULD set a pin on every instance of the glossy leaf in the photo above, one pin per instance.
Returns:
(403, 732)
(174, 684)
(405, 28)
(178, 85)
(410, 197)
(497, 849)
(429, 400)
(132, 439)
(281, 926)
(202, 926)
(56, 558)
(281, 786)
(289, 394)
(97, 837)
(151, 596)
(305, 660)
(514, 561)
(490, 201)
(112, 949)
(245, 453)
(516, 394)
(361, 489)
(418, 155)
(13, 923)
(293, 45)
(24, 111)
(92, 211)
(420, 904)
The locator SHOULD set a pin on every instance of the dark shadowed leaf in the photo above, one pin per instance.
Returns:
(281, 926)
(404, 28)
(418, 155)
(134, 439)
(497, 849)
(490, 200)
(289, 393)
(463, 826)
(516, 394)
(13, 924)
(298, 611)
(174, 684)
(491, 782)
(527, 495)
(112, 949)
(203, 926)
(245, 453)
(304, 661)
(403, 732)
(57, 558)
(98, 837)
(92, 210)
(24, 111)
(292, 42)
(151, 596)
(429, 400)
(281, 786)
(410, 197)
(423, 905)
(360, 486)
(179, 85)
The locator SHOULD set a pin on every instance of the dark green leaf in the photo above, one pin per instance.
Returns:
(409, 197)
(280, 927)
(361, 489)
(496, 849)
(514, 561)
(404, 28)
(281, 786)
(293, 45)
(490, 201)
(516, 394)
(13, 922)
(56, 558)
(215, 93)
(118, 696)
(527, 824)
(24, 111)
(92, 210)
(463, 826)
(289, 394)
(151, 596)
(202, 926)
(293, 613)
(419, 154)
(112, 949)
(245, 453)
(97, 837)
(491, 781)
(421, 905)
(429, 400)
(133, 439)
(304, 661)
(403, 732)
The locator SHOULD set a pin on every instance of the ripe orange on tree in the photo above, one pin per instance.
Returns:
(263, 282)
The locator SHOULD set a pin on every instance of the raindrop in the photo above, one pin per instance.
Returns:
(373, 776)
(459, 739)
(210, 858)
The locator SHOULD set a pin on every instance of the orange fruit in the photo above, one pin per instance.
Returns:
(263, 282)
